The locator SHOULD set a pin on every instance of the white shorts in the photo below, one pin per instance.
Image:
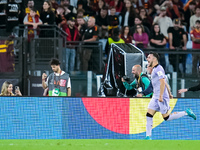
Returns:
(162, 107)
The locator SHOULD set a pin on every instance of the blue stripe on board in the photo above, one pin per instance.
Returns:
(67, 118)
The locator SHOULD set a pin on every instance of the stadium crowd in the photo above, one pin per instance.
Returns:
(146, 23)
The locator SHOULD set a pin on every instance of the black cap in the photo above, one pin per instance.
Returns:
(116, 31)
(176, 21)
(72, 18)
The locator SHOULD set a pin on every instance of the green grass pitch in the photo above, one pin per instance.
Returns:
(99, 144)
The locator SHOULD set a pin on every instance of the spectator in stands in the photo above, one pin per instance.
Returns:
(118, 5)
(156, 7)
(102, 23)
(30, 5)
(7, 88)
(188, 13)
(101, 4)
(115, 38)
(47, 15)
(134, 3)
(128, 15)
(140, 37)
(83, 4)
(188, 2)
(89, 36)
(82, 26)
(147, 4)
(107, 2)
(80, 13)
(73, 35)
(146, 19)
(58, 82)
(68, 8)
(59, 18)
(195, 36)
(125, 35)
(93, 4)
(163, 21)
(172, 10)
(158, 40)
(54, 4)
(138, 21)
(178, 3)
(48, 18)
(177, 40)
(12, 13)
(33, 20)
(113, 20)
(195, 17)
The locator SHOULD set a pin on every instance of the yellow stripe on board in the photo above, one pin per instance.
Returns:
(138, 110)
(3, 46)
(3, 50)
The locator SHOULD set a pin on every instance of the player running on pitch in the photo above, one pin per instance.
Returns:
(160, 100)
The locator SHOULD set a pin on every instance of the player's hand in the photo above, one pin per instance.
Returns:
(160, 99)
(139, 95)
(44, 76)
(122, 79)
(182, 90)
(170, 96)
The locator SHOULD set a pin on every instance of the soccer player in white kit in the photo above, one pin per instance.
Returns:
(160, 100)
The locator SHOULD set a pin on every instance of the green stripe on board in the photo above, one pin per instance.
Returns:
(99, 144)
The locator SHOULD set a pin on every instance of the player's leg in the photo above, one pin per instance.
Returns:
(174, 115)
(149, 115)
(164, 109)
(177, 115)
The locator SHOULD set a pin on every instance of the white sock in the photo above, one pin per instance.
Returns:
(177, 115)
(149, 126)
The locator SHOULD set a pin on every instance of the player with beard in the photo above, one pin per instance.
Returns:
(160, 99)
(141, 81)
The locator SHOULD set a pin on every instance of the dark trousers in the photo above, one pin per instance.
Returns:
(181, 59)
(195, 60)
(85, 57)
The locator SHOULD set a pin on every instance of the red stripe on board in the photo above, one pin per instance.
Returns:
(111, 113)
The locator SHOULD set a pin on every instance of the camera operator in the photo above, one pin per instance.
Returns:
(141, 81)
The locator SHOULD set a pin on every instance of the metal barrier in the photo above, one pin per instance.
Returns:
(49, 41)
(95, 63)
